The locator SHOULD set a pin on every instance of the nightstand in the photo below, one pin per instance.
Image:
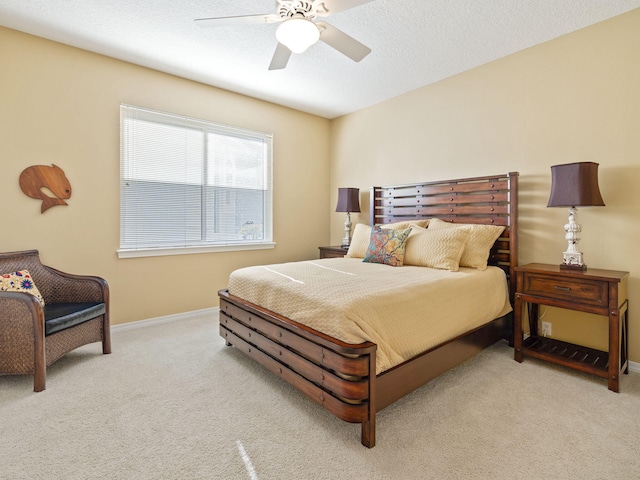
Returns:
(601, 292)
(332, 252)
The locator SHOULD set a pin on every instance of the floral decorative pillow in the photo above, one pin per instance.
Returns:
(386, 246)
(362, 235)
(20, 281)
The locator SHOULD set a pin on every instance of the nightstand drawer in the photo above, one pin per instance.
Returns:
(585, 291)
(333, 252)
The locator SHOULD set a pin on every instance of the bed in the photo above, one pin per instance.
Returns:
(344, 373)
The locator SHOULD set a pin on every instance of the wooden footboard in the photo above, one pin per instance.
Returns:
(337, 375)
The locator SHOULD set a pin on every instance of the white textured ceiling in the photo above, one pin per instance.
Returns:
(414, 43)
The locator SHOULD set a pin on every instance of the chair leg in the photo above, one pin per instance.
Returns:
(40, 378)
(106, 335)
(106, 345)
(40, 360)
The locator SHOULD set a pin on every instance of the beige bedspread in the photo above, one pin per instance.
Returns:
(404, 310)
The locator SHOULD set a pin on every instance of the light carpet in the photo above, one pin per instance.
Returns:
(173, 402)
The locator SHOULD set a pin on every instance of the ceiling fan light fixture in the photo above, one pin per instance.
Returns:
(297, 34)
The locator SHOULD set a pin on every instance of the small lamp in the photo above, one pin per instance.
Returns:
(574, 185)
(348, 201)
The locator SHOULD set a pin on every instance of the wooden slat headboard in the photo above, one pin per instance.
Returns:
(489, 200)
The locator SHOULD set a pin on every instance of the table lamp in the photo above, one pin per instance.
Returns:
(348, 201)
(574, 185)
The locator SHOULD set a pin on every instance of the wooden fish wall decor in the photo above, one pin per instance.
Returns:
(34, 179)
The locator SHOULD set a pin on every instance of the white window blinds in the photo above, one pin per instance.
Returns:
(188, 185)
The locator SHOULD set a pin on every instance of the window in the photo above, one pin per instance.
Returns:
(191, 186)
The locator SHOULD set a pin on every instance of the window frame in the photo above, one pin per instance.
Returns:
(207, 127)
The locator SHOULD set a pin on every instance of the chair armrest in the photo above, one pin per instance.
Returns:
(21, 321)
(16, 306)
(63, 287)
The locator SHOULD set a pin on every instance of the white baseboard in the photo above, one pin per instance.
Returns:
(165, 319)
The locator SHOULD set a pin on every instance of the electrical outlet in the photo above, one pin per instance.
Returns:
(546, 329)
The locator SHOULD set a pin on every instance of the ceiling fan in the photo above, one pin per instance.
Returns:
(298, 30)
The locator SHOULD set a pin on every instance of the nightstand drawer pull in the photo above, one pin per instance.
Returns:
(564, 289)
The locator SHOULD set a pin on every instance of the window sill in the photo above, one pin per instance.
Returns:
(161, 252)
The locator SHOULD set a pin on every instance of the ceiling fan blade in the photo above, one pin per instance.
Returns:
(342, 42)
(335, 6)
(238, 20)
(280, 57)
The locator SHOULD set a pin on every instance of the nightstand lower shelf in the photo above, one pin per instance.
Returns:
(585, 359)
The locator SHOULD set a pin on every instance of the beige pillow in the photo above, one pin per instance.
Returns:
(481, 239)
(362, 235)
(435, 248)
(406, 224)
(359, 241)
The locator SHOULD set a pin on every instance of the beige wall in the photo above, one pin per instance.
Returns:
(573, 99)
(576, 98)
(60, 105)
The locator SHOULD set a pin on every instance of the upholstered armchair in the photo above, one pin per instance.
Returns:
(33, 336)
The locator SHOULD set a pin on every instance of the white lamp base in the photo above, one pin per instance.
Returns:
(346, 241)
(572, 258)
(573, 261)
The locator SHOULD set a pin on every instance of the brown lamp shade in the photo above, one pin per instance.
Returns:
(575, 185)
(348, 200)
